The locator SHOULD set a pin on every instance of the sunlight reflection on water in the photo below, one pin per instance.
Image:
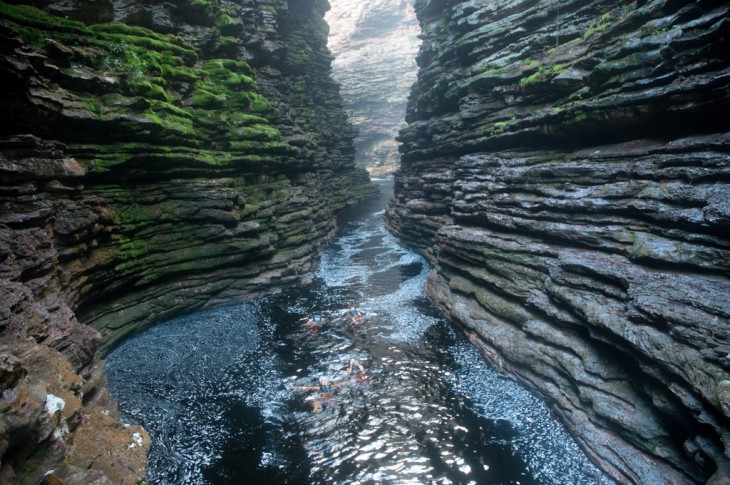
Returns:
(214, 388)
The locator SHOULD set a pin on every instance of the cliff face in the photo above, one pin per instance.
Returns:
(375, 43)
(155, 158)
(565, 167)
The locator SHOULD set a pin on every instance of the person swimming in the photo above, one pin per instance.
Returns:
(356, 370)
(324, 392)
(354, 316)
(325, 387)
(355, 366)
(315, 322)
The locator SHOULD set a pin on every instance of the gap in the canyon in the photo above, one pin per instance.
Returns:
(374, 43)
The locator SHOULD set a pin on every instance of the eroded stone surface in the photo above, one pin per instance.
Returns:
(565, 167)
(155, 158)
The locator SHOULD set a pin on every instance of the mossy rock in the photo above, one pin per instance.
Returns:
(150, 91)
(205, 99)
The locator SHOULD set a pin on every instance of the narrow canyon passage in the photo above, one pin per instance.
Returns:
(563, 167)
(214, 389)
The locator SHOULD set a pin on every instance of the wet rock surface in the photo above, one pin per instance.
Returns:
(565, 168)
(154, 159)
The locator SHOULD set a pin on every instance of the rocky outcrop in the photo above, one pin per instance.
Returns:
(375, 43)
(155, 158)
(565, 167)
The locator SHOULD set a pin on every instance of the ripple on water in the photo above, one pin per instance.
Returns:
(189, 379)
(214, 388)
(550, 454)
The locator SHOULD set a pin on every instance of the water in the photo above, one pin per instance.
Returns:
(217, 390)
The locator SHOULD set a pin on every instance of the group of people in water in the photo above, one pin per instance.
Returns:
(324, 391)
(316, 321)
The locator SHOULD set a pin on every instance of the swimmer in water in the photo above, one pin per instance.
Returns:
(354, 316)
(355, 369)
(315, 322)
(355, 366)
(324, 392)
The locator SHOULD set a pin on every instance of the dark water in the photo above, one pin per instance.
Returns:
(214, 388)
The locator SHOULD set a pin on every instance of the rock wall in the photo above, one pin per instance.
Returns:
(375, 43)
(565, 167)
(155, 158)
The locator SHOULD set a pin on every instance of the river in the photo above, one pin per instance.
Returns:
(219, 390)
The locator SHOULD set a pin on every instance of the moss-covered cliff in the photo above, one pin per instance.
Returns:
(155, 158)
(565, 167)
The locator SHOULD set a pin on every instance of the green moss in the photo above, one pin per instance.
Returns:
(154, 44)
(182, 73)
(259, 146)
(542, 75)
(157, 59)
(172, 109)
(537, 77)
(39, 19)
(206, 99)
(130, 30)
(179, 124)
(131, 248)
(150, 90)
(35, 26)
(490, 69)
(558, 68)
(598, 26)
(183, 126)
(300, 52)
(93, 105)
(258, 103)
(501, 126)
(131, 215)
(259, 132)
(35, 37)
(225, 40)
(144, 104)
(100, 166)
(579, 116)
(571, 42)
(243, 119)
(235, 80)
(663, 30)
(222, 67)
(226, 22)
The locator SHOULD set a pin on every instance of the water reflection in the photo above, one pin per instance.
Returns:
(218, 390)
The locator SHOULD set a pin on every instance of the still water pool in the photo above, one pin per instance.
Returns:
(220, 390)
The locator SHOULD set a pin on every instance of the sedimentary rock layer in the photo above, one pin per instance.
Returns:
(566, 169)
(154, 159)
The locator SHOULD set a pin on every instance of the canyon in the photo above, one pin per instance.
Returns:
(565, 169)
(154, 159)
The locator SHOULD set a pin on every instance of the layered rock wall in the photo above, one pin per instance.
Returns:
(565, 167)
(155, 158)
